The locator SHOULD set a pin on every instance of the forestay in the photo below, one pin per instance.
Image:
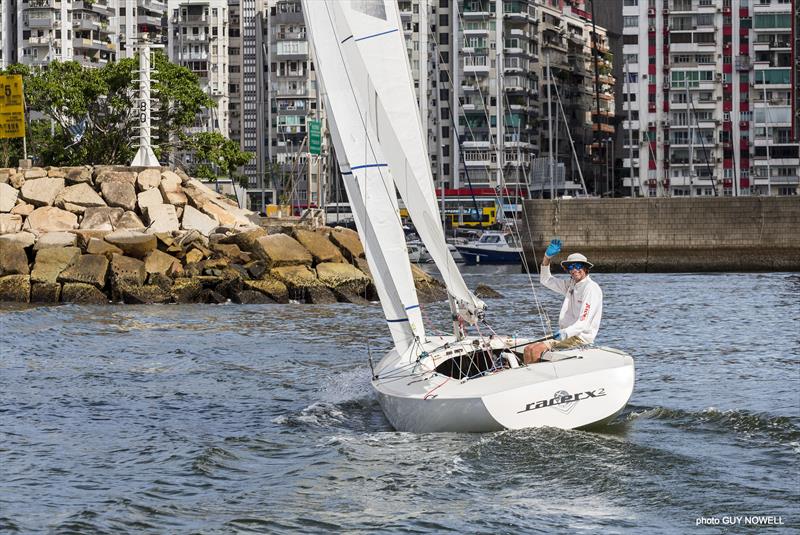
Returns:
(367, 180)
(372, 42)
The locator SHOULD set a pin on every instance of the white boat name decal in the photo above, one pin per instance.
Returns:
(564, 401)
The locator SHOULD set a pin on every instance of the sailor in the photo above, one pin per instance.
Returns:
(580, 315)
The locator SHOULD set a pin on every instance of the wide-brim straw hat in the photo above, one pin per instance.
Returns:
(576, 257)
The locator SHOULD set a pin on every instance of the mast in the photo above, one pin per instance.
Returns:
(766, 130)
(550, 163)
(630, 127)
(499, 110)
(691, 136)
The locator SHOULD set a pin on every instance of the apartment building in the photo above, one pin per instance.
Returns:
(199, 41)
(290, 100)
(6, 42)
(710, 96)
(49, 30)
(137, 18)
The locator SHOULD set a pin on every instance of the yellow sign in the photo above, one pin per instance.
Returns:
(12, 106)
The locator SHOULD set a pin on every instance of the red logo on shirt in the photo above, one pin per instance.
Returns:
(585, 312)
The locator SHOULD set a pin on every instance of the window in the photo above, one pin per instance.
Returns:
(630, 39)
(630, 22)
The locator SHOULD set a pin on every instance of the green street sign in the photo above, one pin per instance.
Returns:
(314, 137)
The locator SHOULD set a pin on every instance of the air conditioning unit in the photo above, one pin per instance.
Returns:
(651, 29)
(652, 12)
(665, 12)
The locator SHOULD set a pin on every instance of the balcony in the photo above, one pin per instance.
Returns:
(41, 22)
(148, 20)
(85, 24)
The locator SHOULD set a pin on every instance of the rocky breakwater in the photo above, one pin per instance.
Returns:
(136, 235)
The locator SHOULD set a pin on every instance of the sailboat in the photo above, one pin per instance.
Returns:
(433, 383)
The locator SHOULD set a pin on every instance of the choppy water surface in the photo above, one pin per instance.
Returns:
(240, 419)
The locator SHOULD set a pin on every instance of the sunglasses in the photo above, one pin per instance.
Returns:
(577, 265)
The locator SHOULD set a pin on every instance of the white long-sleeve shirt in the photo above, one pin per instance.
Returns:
(583, 305)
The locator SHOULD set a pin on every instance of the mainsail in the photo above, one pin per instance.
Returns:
(367, 180)
(372, 44)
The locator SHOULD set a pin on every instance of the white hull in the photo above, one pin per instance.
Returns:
(577, 388)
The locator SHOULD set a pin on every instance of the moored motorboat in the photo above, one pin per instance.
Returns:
(493, 247)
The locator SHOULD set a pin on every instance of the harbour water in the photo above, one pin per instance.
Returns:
(261, 419)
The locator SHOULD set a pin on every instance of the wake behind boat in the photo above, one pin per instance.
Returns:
(461, 382)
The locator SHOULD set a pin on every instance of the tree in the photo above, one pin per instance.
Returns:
(216, 155)
(61, 95)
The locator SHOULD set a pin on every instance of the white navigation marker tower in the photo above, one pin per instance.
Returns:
(145, 156)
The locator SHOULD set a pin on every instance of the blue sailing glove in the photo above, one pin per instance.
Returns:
(554, 248)
(557, 335)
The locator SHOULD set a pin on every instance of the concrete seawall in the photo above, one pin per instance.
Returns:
(670, 234)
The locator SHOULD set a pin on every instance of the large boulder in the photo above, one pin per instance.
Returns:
(110, 175)
(16, 180)
(318, 245)
(25, 239)
(78, 175)
(103, 218)
(126, 269)
(345, 280)
(170, 181)
(271, 287)
(148, 179)
(8, 197)
(42, 191)
(15, 288)
(50, 263)
(429, 289)
(10, 223)
(13, 260)
(101, 246)
(129, 220)
(56, 172)
(89, 268)
(147, 198)
(303, 284)
(162, 218)
(281, 250)
(120, 194)
(135, 244)
(145, 295)
(55, 239)
(78, 292)
(193, 219)
(348, 242)
(45, 292)
(22, 208)
(78, 198)
(160, 262)
(209, 201)
(245, 240)
(50, 219)
(35, 172)
(231, 251)
(186, 290)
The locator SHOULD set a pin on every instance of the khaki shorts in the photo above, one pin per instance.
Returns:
(569, 343)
